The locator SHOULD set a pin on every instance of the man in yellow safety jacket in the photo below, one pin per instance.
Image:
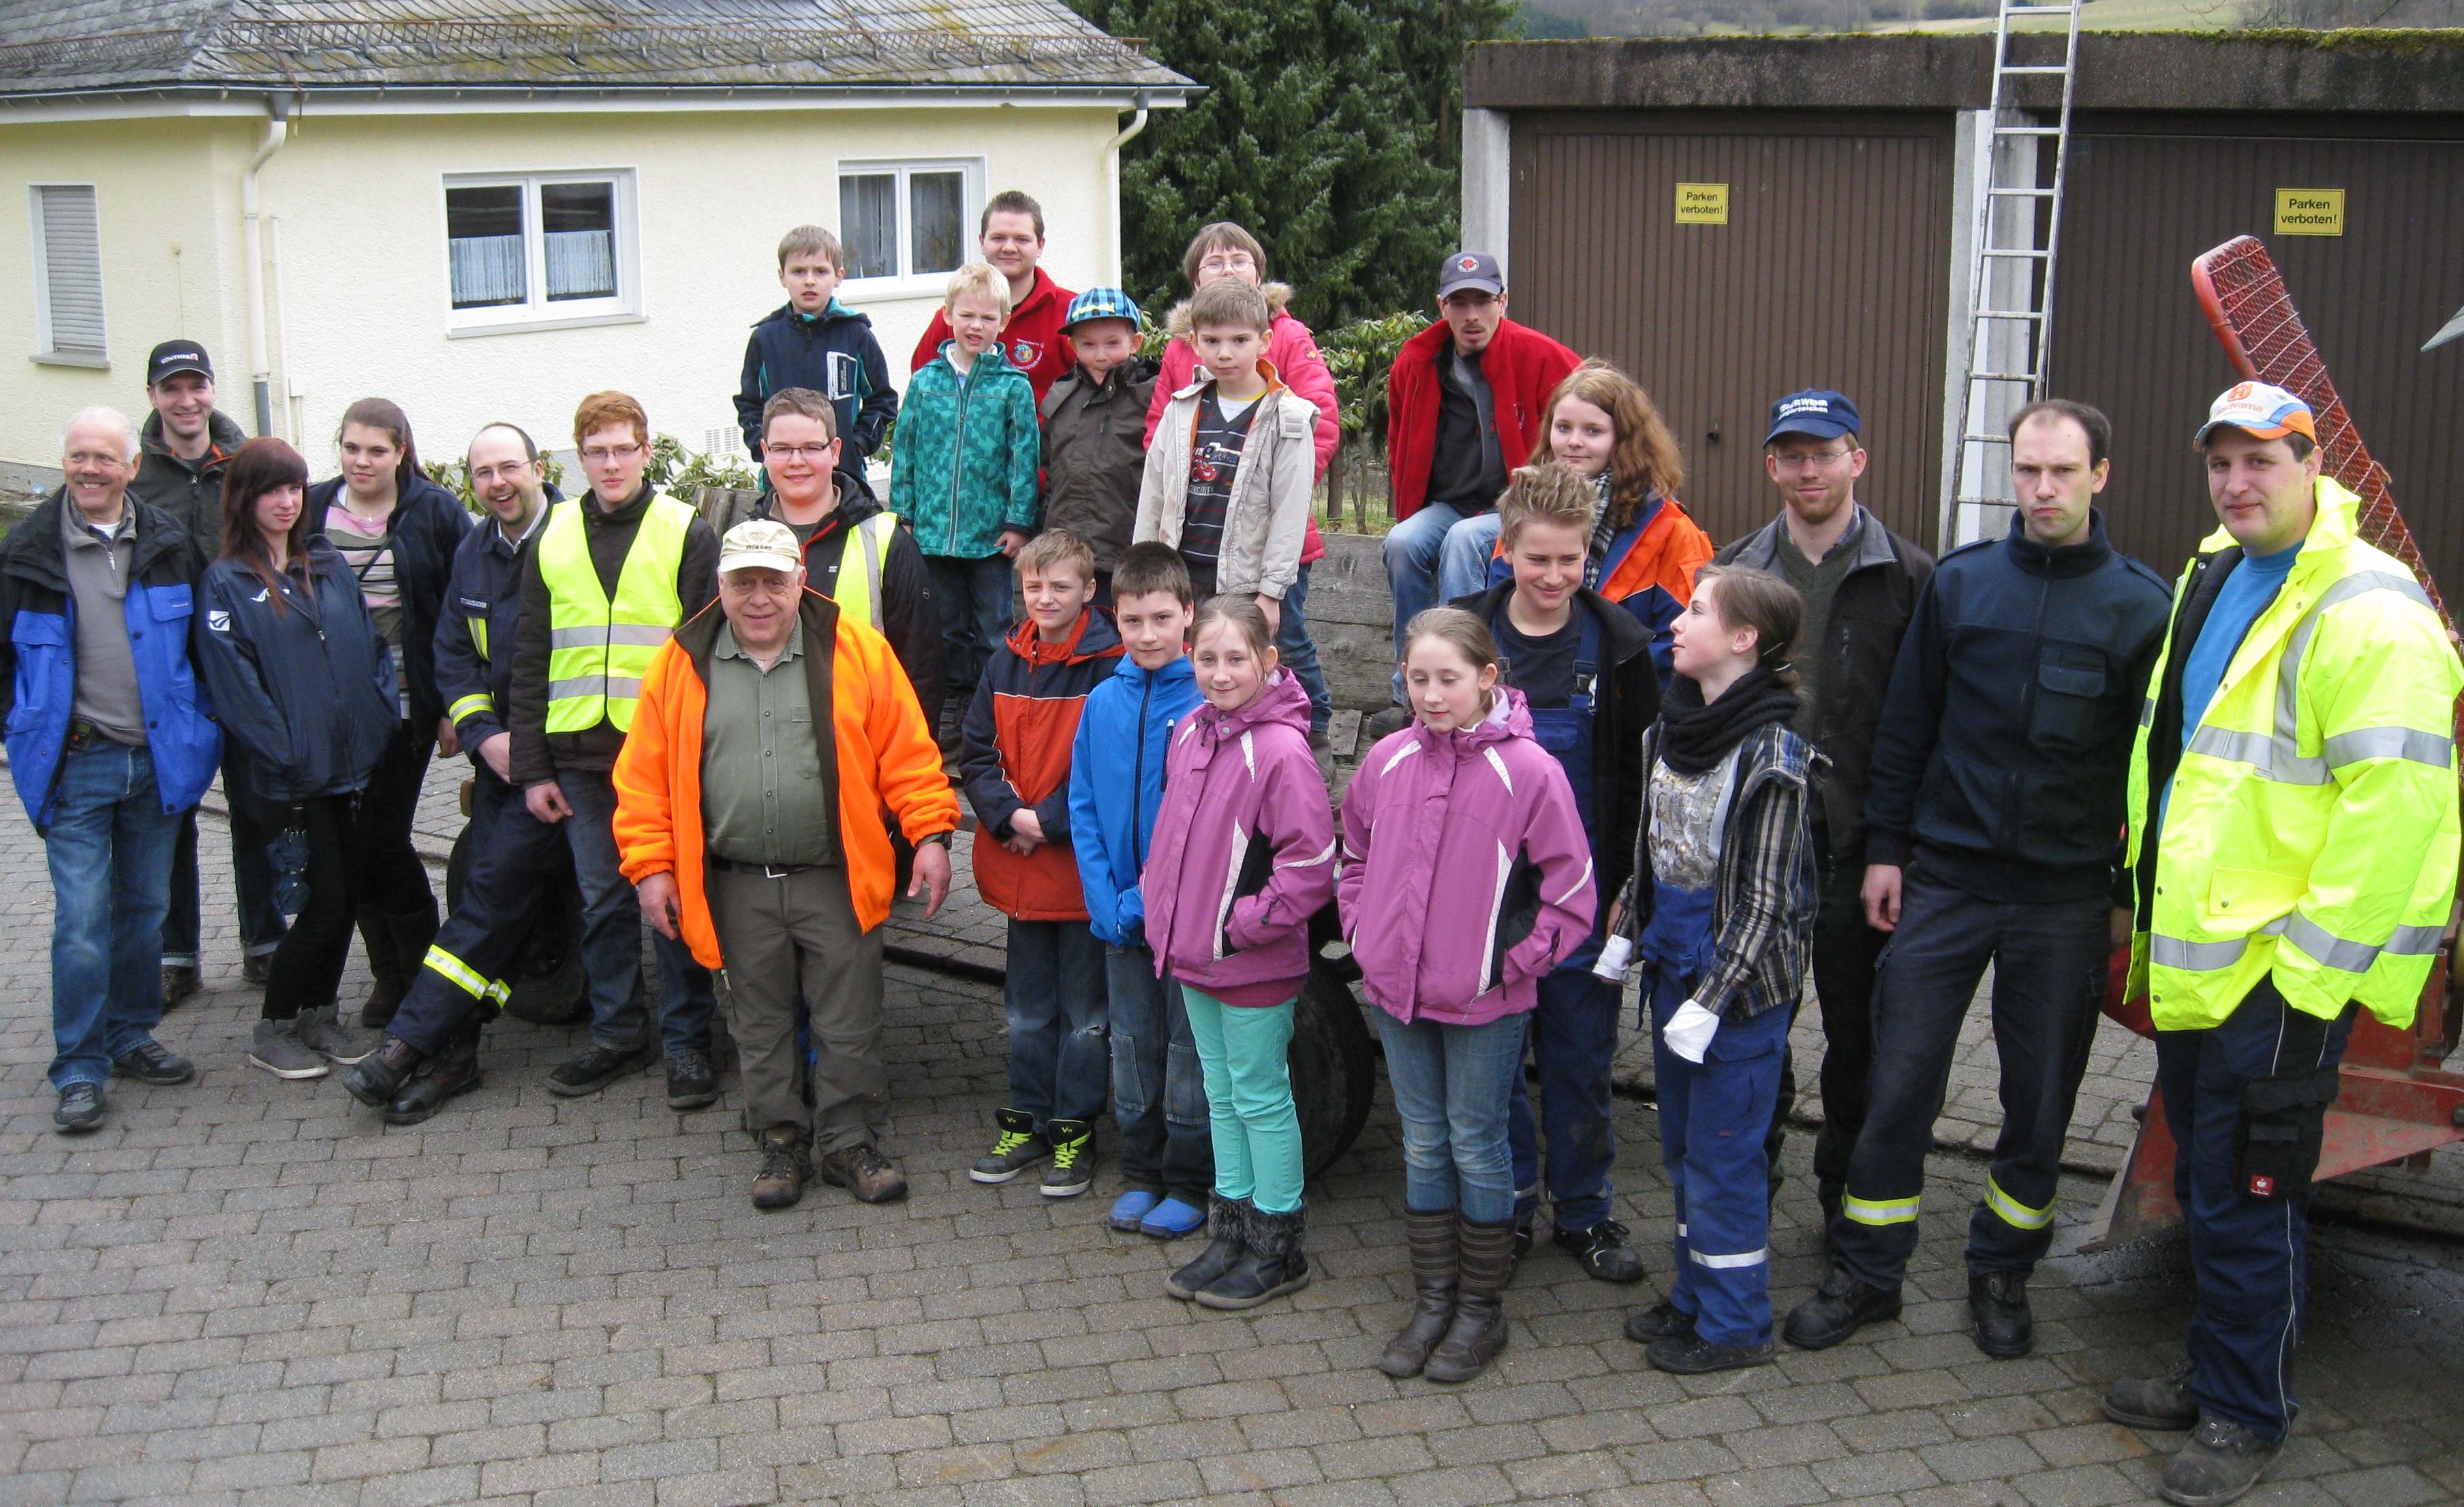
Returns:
(2294, 843)
(607, 582)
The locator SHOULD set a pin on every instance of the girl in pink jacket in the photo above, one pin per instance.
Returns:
(1228, 906)
(1465, 877)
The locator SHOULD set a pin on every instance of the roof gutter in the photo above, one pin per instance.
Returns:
(277, 130)
(344, 97)
(1112, 177)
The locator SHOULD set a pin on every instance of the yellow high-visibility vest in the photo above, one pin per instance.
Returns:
(858, 588)
(599, 649)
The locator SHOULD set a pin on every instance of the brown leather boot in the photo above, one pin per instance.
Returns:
(784, 1166)
(1432, 1240)
(864, 1171)
(1485, 1262)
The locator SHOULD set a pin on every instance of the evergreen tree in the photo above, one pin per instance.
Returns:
(1330, 129)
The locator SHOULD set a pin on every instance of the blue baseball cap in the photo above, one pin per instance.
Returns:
(1103, 303)
(1817, 411)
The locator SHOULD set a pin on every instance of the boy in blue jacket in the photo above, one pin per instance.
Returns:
(813, 340)
(1115, 784)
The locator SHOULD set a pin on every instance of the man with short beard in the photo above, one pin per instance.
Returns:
(1010, 234)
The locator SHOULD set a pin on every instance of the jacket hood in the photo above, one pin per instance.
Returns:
(1282, 700)
(1621, 635)
(996, 357)
(24, 553)
(1279, 299)
(832, 312)
(1178, 672)
(856, 501)
(1509, 716)
(1095, 638)
(221, 428)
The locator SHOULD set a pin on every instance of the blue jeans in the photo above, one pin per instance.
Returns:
(110, 846)
(1573, 1036)
(1158, 1091)
(611, 935)
(1060, 1063)
(1713, 1115)
(974, 600)
(1451, 1088)
(1426, 567)
(251, 832)
(2248, 1254)
(1463, 569)
(1299, 651)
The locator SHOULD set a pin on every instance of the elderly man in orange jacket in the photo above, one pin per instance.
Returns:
(772, 736)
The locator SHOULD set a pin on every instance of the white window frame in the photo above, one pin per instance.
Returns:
(537, 311)
(907, 282)
(46, 348)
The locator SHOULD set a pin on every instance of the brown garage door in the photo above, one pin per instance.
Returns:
(1831, 271)
(2146, 196)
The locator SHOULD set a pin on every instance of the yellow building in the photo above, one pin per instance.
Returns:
(487, 216)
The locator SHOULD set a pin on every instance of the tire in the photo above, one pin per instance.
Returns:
(1333, 1062)
(548, 986)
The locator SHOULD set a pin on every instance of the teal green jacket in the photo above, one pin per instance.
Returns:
(964, 462)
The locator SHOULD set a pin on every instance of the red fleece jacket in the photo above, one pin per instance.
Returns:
(1523, 368)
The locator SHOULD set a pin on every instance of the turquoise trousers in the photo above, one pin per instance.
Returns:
(1256, 1129)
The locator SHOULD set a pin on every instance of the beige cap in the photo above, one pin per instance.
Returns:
(763, 543)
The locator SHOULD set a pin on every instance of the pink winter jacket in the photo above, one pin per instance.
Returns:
(1244, 852)
(1465, 872)
(1292, 350)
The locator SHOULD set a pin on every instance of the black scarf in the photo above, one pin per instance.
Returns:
(1695, 738)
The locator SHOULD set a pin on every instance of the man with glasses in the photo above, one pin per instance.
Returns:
(608, 582)
(1860, 581)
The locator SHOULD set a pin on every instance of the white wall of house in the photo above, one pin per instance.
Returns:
(357, 282)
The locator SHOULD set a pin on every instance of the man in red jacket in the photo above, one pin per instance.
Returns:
(1466, 398)
(1010, 234)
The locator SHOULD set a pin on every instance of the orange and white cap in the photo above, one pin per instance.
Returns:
(2260, 410)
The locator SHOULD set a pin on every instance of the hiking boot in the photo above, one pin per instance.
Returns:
(1172, 1219)
(80, 1110)
(254, 969)
(2154, 1402)
(2220, 1464)
(378, 1078)
(1272, 1263)
(597, 1068)
(1073, 1158)
(1485, 1262)
(1689, 1354)
(1998, 1302)
(323, 1032)
(1015, 1149)
(148, 1061)
(1431, 1239)
(1839, 1308)
(276, 1047)
(181, 982)
(864, 1171)
(1229, 1228)
(1604, 1251)
(784, 1166)
(1385, 724)
(692, 1084)
(451, 1074)
(1130, 1209)
(1663, 1320)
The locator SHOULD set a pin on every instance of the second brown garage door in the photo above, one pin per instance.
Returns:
(1830, 272)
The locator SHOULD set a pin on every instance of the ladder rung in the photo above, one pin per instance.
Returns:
(2031, 256)
(2020, 193)
(2031, 68)
(2027, 130)
(2001, 376)
(2007, 314)
(1986, 439)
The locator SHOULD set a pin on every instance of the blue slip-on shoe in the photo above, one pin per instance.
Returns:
(1129, 1209)
(1171, 1220)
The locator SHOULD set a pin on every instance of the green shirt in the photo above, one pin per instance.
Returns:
(763, 799)
(1817, 581)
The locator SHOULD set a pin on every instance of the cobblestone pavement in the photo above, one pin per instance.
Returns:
(246, 1291)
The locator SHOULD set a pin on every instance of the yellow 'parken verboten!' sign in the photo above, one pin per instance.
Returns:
(1702, 204)
(2309, 212)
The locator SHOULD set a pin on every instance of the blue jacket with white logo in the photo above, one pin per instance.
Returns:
(1116, 784)
(832, 353)
(308, 688)
(38, 658)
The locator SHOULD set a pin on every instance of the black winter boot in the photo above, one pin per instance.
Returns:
(1271, 1262)
(1228, 1230)
(1485, 1263)
(1432, 1240)
(454, 1071)
(375, 1079)
(1998, 1302)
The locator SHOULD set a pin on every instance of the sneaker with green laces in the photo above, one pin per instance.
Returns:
(1017, 1148)
(1073, 1158)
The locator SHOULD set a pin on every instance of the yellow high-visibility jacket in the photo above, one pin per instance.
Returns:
(2312, 836)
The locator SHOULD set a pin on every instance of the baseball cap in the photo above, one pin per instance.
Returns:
(178, 356)
(2260, 410)
(1817, 411)
(1102, 303)
(1471, 269)
(760, 544)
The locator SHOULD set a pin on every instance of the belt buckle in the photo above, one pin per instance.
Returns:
(770, 870)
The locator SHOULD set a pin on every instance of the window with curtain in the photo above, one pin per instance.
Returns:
(909, 220)
(521, 248)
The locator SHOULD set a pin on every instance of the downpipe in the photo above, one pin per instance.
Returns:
(277, 130)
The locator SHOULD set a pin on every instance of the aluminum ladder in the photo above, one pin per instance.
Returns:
(2011, 278)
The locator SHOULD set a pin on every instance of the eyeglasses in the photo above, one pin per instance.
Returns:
(601, 454)
(1809, 460)
(1228, 262)
(511, 471)
(789, 452)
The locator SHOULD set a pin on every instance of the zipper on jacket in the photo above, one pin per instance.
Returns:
(1139, 781)
(959, 450)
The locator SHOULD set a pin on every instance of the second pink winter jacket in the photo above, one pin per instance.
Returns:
(1465, 872)
(1292, 350)
(1244, 852)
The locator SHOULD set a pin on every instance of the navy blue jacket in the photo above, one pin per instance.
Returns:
(474, 648)
(38, 657)
(2005, 740)
(429, 523)
(834, 354)
(309, 691)
(1116, 784)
